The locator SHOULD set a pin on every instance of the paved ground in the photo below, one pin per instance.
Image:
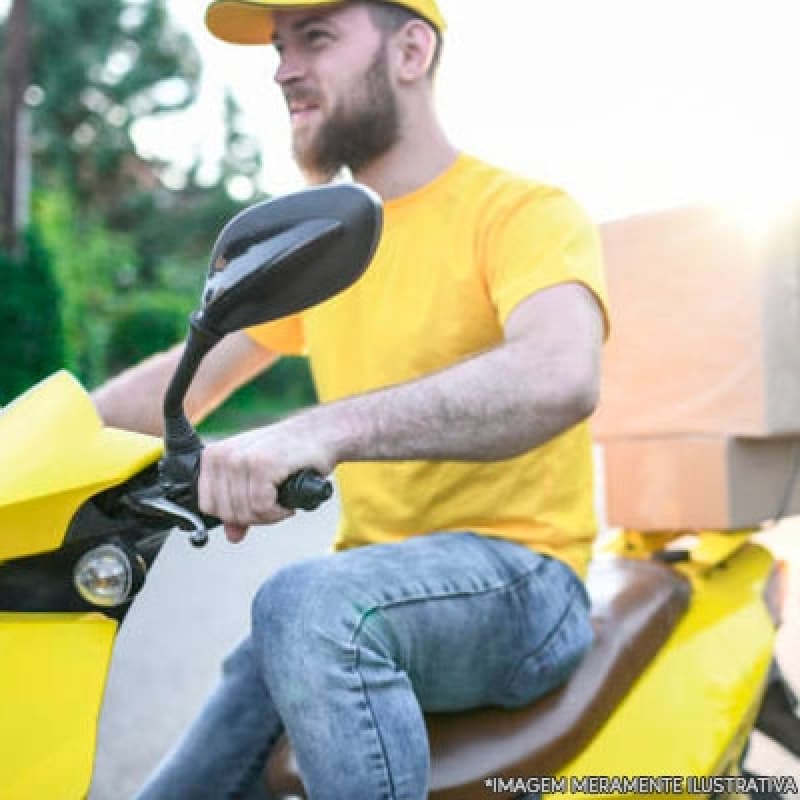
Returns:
(196, 607)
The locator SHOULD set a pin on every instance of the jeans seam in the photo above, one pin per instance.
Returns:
(377, 607)
(547, 639)
(249, 775)
(388, 773)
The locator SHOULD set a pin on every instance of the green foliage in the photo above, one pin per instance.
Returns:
(172, 233)
(31, 346)
(119, 226)
(101, 66)
(149, 323)
(289, 382)
(187, 220)
(93, 265)
(284, 388)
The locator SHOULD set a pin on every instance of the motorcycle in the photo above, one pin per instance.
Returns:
(680, 673)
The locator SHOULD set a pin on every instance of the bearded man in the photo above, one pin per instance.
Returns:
(455, 380)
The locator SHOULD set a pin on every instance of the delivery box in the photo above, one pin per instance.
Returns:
(700, 482)
(705, 326)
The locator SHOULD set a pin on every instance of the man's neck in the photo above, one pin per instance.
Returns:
(420, 155)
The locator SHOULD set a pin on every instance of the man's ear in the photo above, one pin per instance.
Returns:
(416, 45)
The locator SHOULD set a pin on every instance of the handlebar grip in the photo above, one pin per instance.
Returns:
(306, 490)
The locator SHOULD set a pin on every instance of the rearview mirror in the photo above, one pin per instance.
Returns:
(271, 260)
(288, 254)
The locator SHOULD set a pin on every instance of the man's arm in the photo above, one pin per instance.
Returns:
(133, 400)
(542, 380)
(498, 404)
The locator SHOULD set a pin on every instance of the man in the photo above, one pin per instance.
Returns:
(455, 379)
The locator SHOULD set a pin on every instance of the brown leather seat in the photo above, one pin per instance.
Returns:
(635, 606)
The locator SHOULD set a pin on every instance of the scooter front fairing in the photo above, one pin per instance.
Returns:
(55, 457)
(52, 676)
(84, 510)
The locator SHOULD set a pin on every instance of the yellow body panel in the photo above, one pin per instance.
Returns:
(688, 713)
(52, 674)
(714, 547)
(54, 455)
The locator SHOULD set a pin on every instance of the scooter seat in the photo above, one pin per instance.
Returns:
(635, 606)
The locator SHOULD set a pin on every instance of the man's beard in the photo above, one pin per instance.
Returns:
(355, 136)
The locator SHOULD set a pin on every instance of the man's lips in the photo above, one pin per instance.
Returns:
(302, 114)
(301, 105)
(300, 108)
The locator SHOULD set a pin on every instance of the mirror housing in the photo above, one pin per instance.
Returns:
(288, 254)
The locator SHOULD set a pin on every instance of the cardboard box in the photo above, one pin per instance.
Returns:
(705, 326)
(700, 482)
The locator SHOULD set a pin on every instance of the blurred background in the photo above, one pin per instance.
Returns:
(130, 136)
(104, 237)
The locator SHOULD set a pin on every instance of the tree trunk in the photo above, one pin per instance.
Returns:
(14, 119)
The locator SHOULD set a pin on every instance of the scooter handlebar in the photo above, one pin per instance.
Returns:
(306, 490)
(179, 470)
(177, 490)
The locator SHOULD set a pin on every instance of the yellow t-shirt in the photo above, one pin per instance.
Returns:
(455, 258)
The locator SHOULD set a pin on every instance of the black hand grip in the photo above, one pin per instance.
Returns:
(306, 490)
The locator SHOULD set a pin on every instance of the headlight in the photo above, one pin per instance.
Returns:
(104, 576)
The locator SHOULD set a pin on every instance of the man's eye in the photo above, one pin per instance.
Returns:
(316, 37)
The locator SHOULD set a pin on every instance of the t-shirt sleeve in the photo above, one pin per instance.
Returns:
(541, 239)
(284, 336)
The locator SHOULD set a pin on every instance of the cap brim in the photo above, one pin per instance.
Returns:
(250, 21)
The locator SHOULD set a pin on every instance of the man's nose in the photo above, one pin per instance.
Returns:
(290, 68)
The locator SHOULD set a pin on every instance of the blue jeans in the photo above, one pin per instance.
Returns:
(347, 650)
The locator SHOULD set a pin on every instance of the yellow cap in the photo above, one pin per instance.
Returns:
(250, 21)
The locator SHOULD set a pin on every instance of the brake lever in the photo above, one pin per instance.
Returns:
(153, 500)
(177, 488)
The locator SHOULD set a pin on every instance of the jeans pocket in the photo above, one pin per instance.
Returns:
(556, 658)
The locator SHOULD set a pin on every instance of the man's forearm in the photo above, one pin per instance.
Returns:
(493, 406)
(133, 400)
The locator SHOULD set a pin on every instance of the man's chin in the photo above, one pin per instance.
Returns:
(307, 157)
(309, 165)
(302, 151)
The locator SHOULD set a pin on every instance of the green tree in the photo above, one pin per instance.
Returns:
(115, 228)
(147, 324)
(94, 266)
(99, 66)
(31, 346)
(184, 222)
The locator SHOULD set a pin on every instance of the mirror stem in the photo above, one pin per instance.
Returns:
(182, 445)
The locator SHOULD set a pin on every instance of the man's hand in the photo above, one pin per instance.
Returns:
(240, 476)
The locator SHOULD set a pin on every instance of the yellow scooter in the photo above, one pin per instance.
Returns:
(85, 510)
(681, 670)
